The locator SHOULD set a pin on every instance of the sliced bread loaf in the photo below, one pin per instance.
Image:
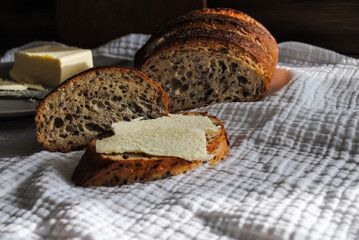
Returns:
(210, 56)
(116, 169)
(88, 103)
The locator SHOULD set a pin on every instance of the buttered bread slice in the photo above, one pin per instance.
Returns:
(87, 104)
(152, 149)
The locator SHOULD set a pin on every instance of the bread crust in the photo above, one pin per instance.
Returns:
(228, 12)
(245, 28)
(111, 170)
(272, 43)
(61, 97)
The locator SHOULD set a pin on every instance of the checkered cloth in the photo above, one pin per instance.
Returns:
(291, 171)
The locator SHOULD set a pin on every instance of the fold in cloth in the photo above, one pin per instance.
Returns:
(291, 171)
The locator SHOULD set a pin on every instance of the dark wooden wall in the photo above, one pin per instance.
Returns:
(23, 21)
(89, 23)
(330, 24)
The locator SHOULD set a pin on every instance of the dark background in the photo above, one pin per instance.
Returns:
(90, 23)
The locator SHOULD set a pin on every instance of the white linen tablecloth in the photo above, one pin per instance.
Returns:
(291, 171)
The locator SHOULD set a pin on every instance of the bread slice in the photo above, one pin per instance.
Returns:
(117, 169)
(87, 104)
(210, 56)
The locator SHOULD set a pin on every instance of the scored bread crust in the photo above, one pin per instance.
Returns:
(116, 169)
(87, 104)
(243, 27)
(229, 12)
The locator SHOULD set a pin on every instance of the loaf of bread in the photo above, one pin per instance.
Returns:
(116, 169)
(87, 104)
(210, 56)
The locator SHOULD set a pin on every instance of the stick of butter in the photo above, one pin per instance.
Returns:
(50, 65)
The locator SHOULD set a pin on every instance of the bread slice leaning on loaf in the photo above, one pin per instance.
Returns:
(210, 56)
(116, 169)
(87, 104)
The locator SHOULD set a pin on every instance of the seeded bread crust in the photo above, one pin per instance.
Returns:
(228, 12)
(88, 103)
(117, 169)
(229, 53)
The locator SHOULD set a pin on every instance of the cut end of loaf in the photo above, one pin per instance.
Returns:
(87, 104)
(200, 74)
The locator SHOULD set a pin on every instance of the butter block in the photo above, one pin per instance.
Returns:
(175, 135)
(50, 65)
